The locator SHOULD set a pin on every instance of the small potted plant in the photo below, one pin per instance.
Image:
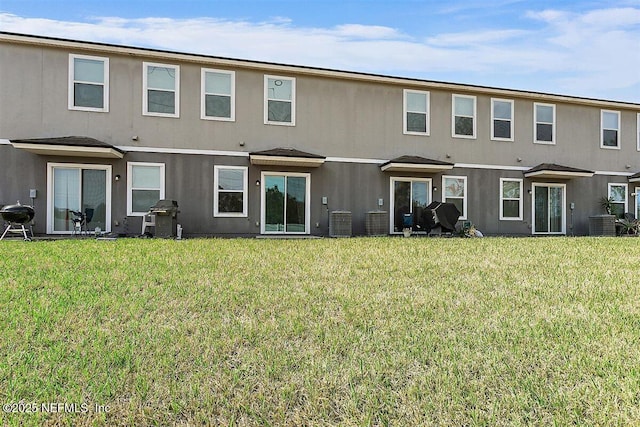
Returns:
(607, 204)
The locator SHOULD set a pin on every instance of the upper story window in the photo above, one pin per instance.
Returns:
(88, 83)
(455, 191)
(416, 112)
(279, 100)
(610, 129)
(145, 186)
(218, 95)
(161, 85)
(230, 191)
(544, 123)
(463, 116)
(510, 199)
(502, 119)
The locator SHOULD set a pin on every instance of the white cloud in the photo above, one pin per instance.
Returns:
(475, 37)
(586, 54)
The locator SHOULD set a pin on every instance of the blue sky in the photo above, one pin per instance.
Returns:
(580, 48)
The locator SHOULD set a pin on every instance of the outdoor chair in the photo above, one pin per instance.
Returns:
(148, 220)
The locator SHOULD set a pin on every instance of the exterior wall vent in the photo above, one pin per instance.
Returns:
(340, 224)
(377, 223)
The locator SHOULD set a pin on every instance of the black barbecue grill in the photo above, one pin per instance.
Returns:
(16, 217)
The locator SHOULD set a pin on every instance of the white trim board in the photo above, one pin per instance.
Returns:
(134, 149)
(195, 151)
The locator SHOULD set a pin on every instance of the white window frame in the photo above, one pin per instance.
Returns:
(307, 205)
(392, 199)
(145, 89)
(536, 121)
(405, 110)
(626, 194)
(464, 198)
(267, 99)
(563, 230)
(50, 195)
(636, 209)
(502, 199)
(204, 93)
(72, 81)
(130, 188)
(602, 129)
(244, 191)
(511, 120)
(474, 117)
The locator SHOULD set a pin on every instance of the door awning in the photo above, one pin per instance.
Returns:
(552, 170)
(635, 177)
(286, 157)
(72, 146)
(415, 164)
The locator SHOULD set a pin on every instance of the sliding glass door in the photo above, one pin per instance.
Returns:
(410, 195)
(549, 208)
(285, 203)
(79, 188)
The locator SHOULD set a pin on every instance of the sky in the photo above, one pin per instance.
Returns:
(579, 48)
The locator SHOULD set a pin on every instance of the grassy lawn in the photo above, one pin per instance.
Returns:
(362, 331)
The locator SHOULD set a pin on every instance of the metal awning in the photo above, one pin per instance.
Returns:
(286, 157)
(415, 164)
(554, 171)
(71, 146)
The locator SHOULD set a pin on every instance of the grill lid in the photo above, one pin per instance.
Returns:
(164, 206)
(19, 214)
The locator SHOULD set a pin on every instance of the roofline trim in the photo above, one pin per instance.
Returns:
(195, 151)
(299, 69)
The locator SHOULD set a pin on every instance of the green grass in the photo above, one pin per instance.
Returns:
(363, 331)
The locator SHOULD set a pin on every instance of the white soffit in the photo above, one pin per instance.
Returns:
(69, 150)
(265, 160)
(551, 174)
(415, 167)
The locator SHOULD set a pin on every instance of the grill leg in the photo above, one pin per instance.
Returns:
(15, 229)
(24, 233)
(6, 230)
